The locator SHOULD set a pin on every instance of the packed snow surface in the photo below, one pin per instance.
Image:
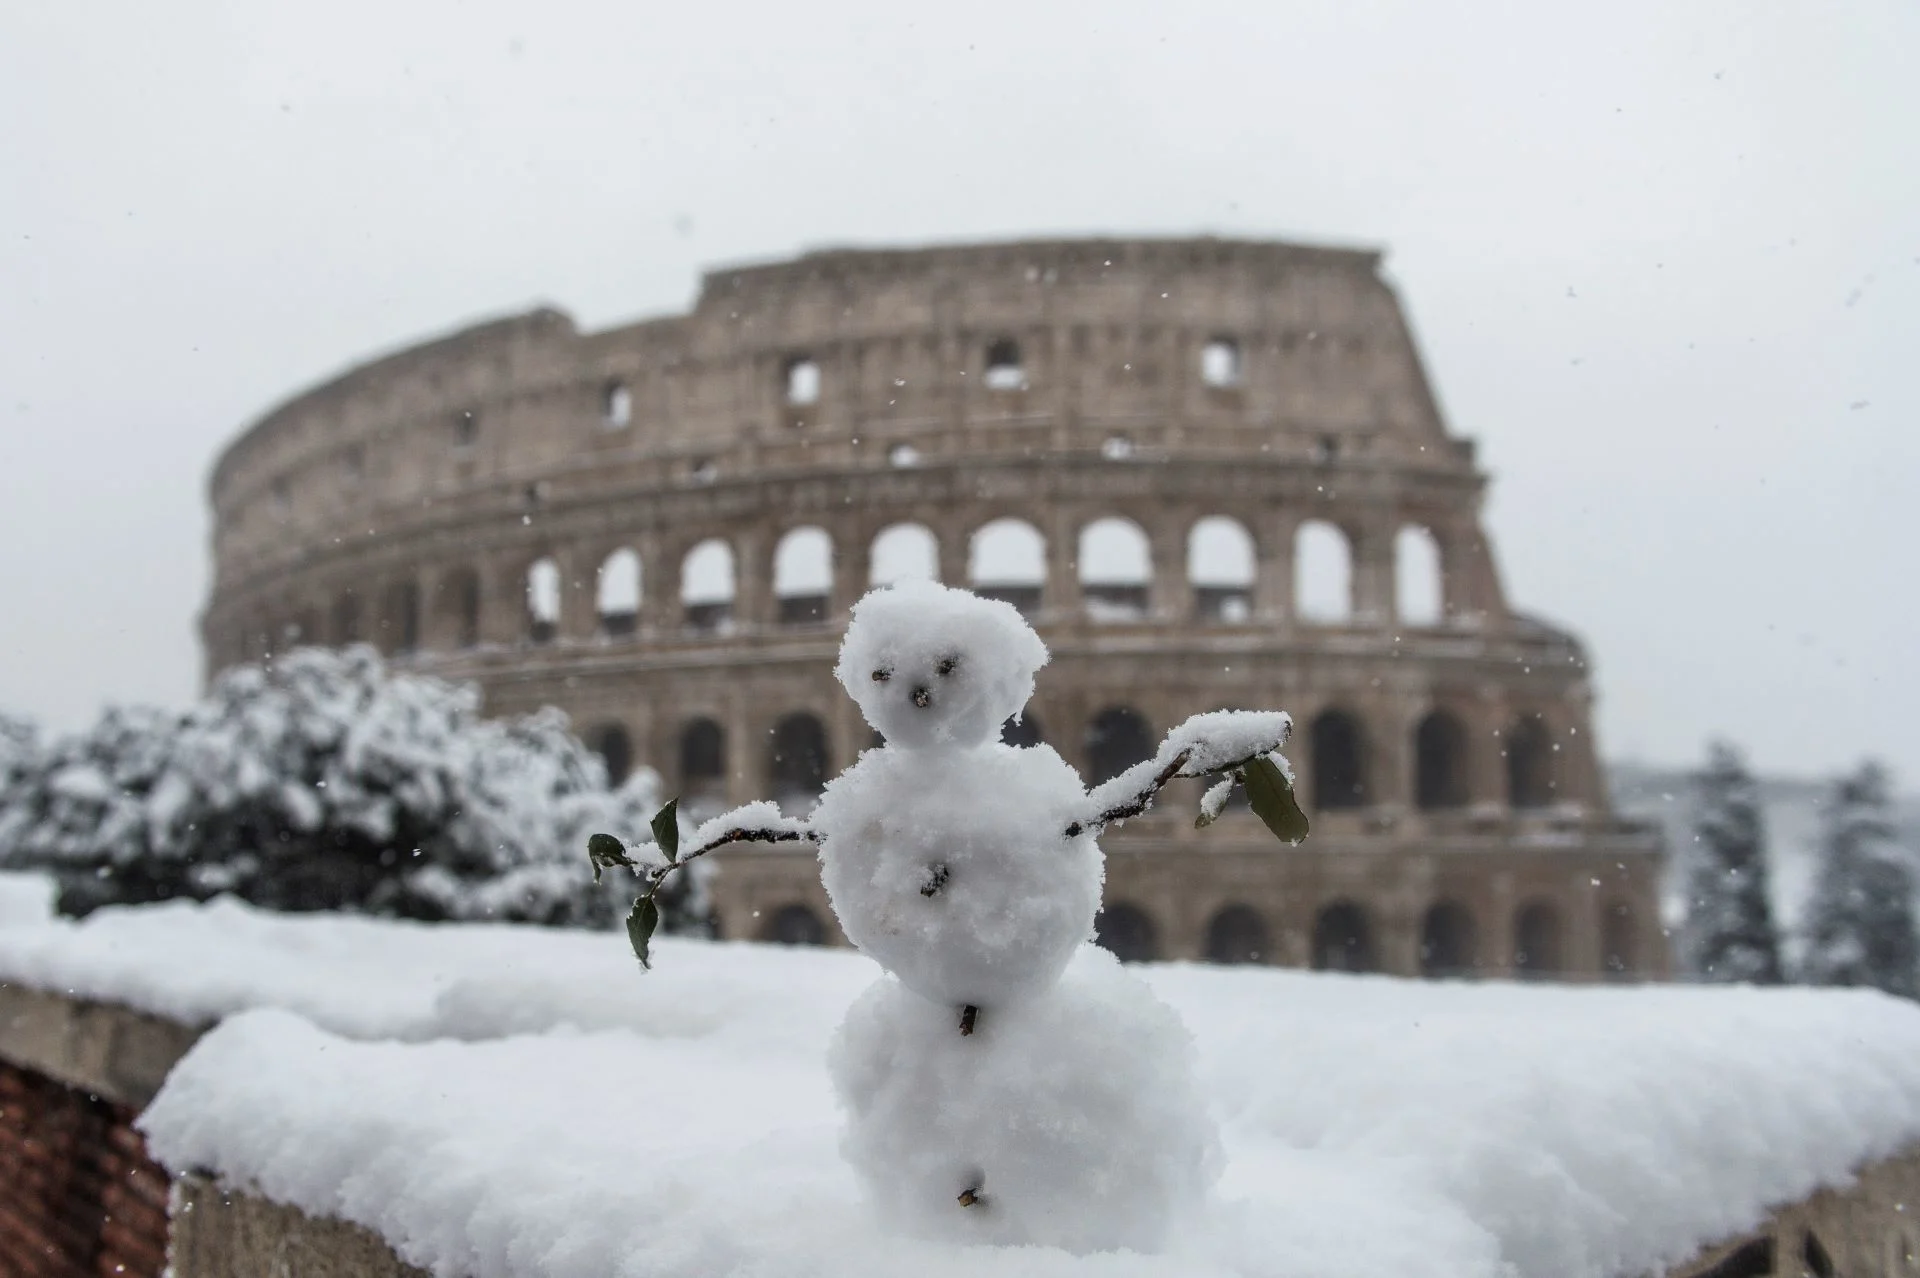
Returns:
(596, 1121)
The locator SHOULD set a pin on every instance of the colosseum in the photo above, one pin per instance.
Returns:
(1213, 473)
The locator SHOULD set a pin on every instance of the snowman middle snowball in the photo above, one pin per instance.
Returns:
(943, 850)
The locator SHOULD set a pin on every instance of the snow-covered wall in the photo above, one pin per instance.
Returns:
(516, 1101)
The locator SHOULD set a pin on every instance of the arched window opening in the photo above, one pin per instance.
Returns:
(617, 595)
(802, 381)
(1536, 941)
(1127, 932)
(616, 406)
(1339, 762)
(794, 925)
(703, 765)
(797, 763)
(803, 576)
(1449, 947)
(1004, 370)
(1117, 739)
(1220, 567)
(1237, 934)
(1220, 363)
(1440, 762)
(460, 600)
(1419, 595)
(1322, 574)
(400, 618)
(1021, 731)
(346, 618)
(543, 600)
(1617, 941)
(1007, 560)
(466, 430)
(615, 748)
(1342, 939)
(1530, 773)
(904, 552)
(1116, 569)
(706, 585)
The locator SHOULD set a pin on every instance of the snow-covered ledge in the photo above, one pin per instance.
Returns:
(501, 1101)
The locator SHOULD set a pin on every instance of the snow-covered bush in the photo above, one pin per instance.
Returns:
(1730, 932)
(1860, 924)
(322, 781)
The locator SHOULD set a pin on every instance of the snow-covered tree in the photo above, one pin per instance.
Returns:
(1860, 923)
(321, 781)
(1730, 928)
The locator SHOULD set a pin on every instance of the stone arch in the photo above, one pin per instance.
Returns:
(1022, 730)
(1238, 934)
(903, 552)
(800, 381)
(400, 617)
(1619, 940)
(1531, 775)
(1440, 762)
(1116, 569)
(1221, 365)
(615, 747)
(1419, 591)
(1322, 573)
(543, 599)
(1004, 369)
(616, 405)
(797, 762)
(794, 924)
(1007, 559)
(345, 618)
(1338, 745)
(1127, 931)
(803, 575)
(617, 592)
(1538, 941)
(707, 584)
(1117, 738)
(1343, 938)
(1449, 941)
(459, 605)
(703, 763)
(1220, 568)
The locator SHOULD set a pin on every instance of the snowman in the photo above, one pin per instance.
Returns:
(1007, 1081)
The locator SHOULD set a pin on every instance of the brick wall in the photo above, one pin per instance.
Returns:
(78, 1193)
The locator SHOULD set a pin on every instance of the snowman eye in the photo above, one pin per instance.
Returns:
(947, 666)
(882, 675)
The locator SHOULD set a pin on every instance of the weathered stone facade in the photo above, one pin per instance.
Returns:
(660, 528)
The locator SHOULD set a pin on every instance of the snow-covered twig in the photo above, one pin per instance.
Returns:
(1238, 745)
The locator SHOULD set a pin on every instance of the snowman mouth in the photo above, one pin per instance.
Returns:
(922, 698)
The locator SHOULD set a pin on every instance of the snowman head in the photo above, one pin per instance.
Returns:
(931, 667)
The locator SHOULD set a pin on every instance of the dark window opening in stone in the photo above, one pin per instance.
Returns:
(1342, 939)
(400, 621)
(1021, 731)
(1004, 369)
(1536, 942)
(1448, 944)
(615, 749)
(1440, 762)
(1617, 937)
(703, 764)
(616, 406)
(346, 619)
(1127, 932)
(1237, 934)
(1220, 363)
(797, 763)
(1530, 779)
(466, 429)
(1339, 762)
(465, 588)
(1117, 739)
(1814, 1253)
(1750, 1260)
(801, 381)
(794, 925)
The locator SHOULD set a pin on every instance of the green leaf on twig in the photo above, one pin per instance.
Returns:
(1271, 795)
(605, 852)
(666, 830)
(640, 924)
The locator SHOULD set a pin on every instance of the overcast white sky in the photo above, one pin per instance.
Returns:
(1664, 261)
